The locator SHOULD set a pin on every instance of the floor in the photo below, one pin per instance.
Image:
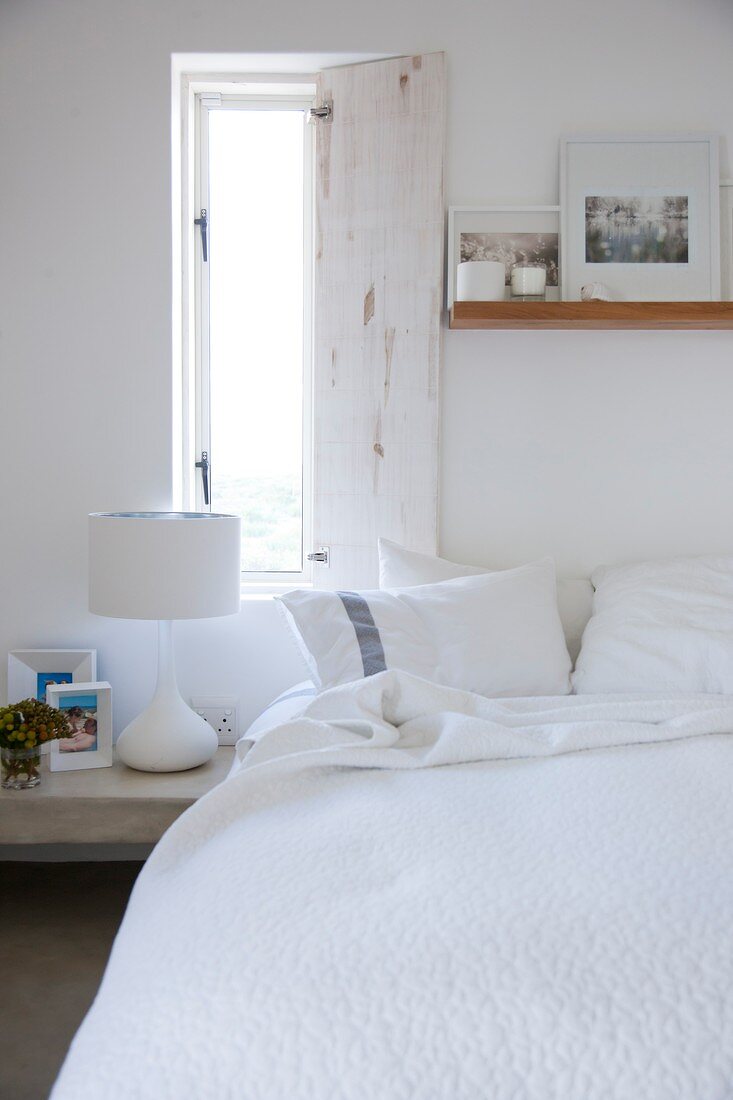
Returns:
(57, 924)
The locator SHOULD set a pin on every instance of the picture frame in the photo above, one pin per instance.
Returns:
(89, 709)
(509, 231)
(30, 671)
(726, 239)
(640, 213)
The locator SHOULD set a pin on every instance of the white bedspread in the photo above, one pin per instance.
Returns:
(343, 919)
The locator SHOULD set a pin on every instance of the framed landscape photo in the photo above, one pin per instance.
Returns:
(88, 710)
(726, 239)
(32, 671)
(510, 234)
(640, 213)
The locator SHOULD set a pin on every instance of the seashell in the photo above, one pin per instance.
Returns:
(595, 292)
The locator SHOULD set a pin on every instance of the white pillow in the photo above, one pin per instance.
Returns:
(399, 568)
(660, 626)
(495, 634)
(288, 705)
(402, 568)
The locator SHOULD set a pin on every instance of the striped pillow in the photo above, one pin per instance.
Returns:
(494, 634)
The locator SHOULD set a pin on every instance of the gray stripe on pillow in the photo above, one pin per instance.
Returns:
(367, 634)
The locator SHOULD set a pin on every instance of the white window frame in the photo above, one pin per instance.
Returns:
(202, 97)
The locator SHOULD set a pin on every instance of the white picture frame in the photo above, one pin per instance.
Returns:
(29, 670)
(726, 240)
(506, 220)
(664, 243)
(94, 702)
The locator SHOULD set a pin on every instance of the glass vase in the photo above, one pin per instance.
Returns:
(21, 768)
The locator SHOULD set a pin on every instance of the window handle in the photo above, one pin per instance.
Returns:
(204, 467)
(203, 222)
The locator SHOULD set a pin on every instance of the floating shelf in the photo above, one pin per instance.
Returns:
(592, 315)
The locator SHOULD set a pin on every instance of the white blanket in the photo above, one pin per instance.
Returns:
(343, 919)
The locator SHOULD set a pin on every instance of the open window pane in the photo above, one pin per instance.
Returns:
(256, 179)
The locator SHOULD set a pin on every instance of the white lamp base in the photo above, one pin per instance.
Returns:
(168, 736)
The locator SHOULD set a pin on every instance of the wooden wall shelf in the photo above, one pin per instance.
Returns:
(592, 315)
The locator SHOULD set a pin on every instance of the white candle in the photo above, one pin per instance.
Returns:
(480, 281)
(529, 280)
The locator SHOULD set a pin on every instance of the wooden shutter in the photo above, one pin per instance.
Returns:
(378, 299)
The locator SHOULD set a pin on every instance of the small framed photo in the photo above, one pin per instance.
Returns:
(32, 671)
(88, 710)
(726, 239)
(510, 234)
(640, 214)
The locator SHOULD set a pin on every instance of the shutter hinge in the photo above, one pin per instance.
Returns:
(321, 555)
(324, 113)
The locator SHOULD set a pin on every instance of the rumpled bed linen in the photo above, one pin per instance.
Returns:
(414, 893)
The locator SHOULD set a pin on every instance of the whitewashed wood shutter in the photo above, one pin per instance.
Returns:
(378, 299)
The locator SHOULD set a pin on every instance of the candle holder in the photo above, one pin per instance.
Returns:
(480, 281)
(529, 282)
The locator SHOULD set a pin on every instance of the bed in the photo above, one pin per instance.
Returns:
(409, 890)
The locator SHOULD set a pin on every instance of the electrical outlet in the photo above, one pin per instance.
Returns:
(220, 711)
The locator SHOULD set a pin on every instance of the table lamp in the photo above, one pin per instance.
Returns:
(164, 566)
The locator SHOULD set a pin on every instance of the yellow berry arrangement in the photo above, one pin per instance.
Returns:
(24, 728)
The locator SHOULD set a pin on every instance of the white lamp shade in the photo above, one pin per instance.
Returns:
(164, 565)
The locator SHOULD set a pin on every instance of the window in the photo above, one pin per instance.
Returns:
(251, 318)
(369, 174)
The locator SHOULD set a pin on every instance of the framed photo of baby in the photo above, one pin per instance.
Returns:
(88, 711)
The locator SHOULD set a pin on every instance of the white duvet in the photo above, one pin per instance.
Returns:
(413, 893)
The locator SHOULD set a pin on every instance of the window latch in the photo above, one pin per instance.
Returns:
(204, 467)
(321, 555)
(203, 222)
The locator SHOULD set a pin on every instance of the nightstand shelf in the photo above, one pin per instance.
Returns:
(591, 315)
(105, 805)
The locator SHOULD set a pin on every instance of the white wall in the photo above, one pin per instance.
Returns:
(590, 446)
